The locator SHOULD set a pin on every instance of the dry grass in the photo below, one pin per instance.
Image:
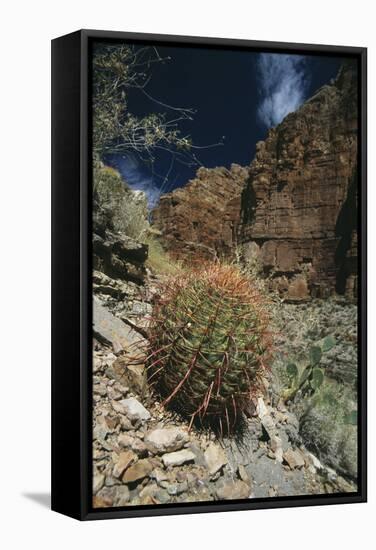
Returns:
(159, 261)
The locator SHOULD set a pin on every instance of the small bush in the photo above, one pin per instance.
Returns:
(329, 428)
(115, 206)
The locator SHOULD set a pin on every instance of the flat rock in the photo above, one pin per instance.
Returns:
(149, 490)
(176, 488)
(136, 445)
(111, 422)
(130, 371)
(118, 407)
(139, 448)
(165, 440)
(215, 458)
(126, 458)
(159, 475)
(162, 496)
(106, 495)
(117, 254)
(122, 495)
(234, 490)
(277, 448)
(101, 502)
(138, 471)
(294, 459)
(101, 429)
(98, 482)
(112, 331)
(178, 458)
(131, 408)
(99, 389)
(125, 441)
(125, 423)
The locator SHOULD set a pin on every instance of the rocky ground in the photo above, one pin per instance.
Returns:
(144, 454)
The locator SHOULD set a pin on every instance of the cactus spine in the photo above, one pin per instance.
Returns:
(209, 344)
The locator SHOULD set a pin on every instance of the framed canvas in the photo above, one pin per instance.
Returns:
(208, 275)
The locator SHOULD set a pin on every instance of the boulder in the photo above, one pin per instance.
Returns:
(165, 440)
(138, 471)
(111, 330)
(132, 408)
(119, 256)
(215, 458)
(178, 458)
(294, 459)
(234, 490)
(102, 502)
(133, 443)
(101, 428)
(122, 495)
(130, 371)
(159, 475)
(124, 460)
(98, 482)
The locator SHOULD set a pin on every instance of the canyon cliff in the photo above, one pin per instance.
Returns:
(293, 210)
(200, 220)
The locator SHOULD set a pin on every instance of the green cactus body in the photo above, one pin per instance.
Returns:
(209, 344)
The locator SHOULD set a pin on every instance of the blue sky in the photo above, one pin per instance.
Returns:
(236, 97)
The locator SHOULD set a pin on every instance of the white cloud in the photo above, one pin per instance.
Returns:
(283, 86)
(135, 176)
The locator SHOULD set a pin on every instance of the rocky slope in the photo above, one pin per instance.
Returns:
(293, 210)
(144, 454)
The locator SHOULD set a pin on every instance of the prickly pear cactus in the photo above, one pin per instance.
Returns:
(209, 345)
(312, 377)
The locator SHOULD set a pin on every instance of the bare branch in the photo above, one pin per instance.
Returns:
(116, 69)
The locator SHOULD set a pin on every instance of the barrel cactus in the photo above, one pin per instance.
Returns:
(209, 345)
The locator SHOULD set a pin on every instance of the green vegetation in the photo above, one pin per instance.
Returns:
(209, 344)
(115, 206)
(328, 425)
(159, 261)
(325, 406)
(310, 378)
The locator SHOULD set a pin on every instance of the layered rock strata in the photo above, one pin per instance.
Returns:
(299, 206)
(293, 211)
(199, 221)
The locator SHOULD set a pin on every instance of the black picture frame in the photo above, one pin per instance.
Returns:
(71, 269)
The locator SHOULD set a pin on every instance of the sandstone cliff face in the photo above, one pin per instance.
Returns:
(299, 204)
(293, 210)
(199, 221)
